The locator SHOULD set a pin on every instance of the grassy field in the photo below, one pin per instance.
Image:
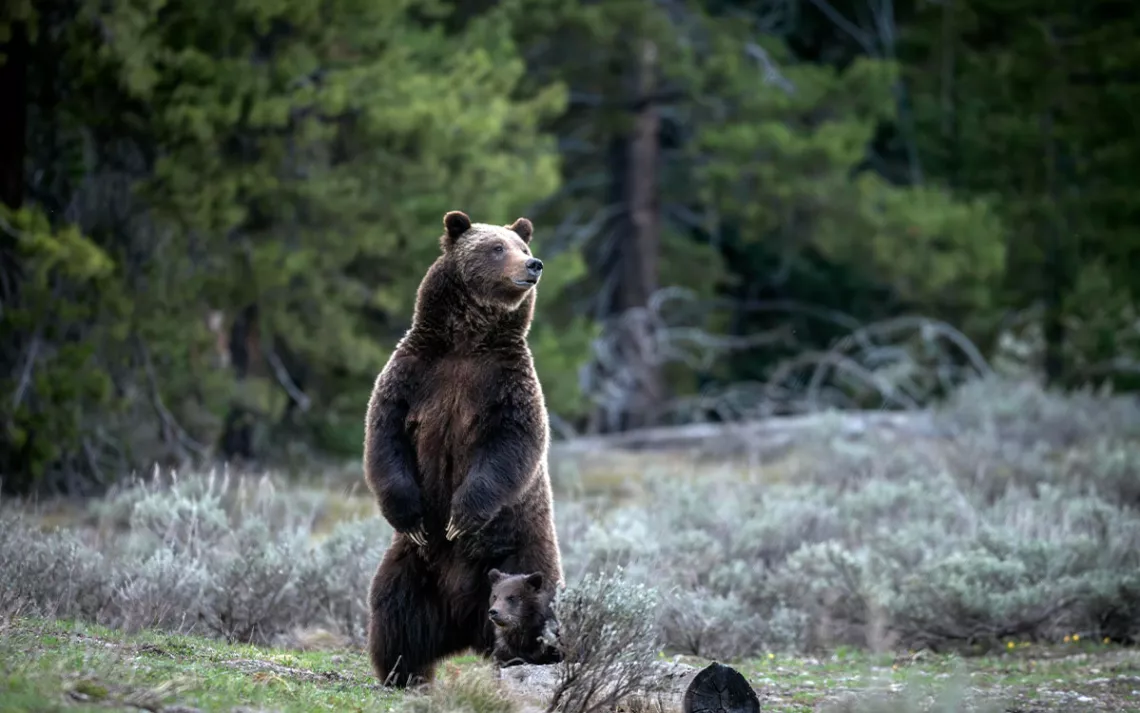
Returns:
(57, 666)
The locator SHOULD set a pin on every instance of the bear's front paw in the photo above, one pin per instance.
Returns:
(418, 535)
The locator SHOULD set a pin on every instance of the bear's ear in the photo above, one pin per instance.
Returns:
(494, 575)
(456, 223)
(524, 228)
(534, 580)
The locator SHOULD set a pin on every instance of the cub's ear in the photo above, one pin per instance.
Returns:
(495, 575)
(456, 223)
(524, 228)
(534, 580)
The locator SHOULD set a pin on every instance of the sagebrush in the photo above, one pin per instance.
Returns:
(1017, 516)
(231, 556)
(608, 637)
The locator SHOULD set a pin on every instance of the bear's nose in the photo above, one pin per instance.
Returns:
(494, 612)
(534, 266)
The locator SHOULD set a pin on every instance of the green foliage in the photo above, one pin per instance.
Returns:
(780, 167)
(273, 174)
(296, 160)
(14, 12)
(315, 158)
(943, 253)
(63, 323)
(1103, 324)
(1026, 105)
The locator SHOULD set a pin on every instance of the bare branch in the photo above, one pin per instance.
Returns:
(170, 424)
(286, 381)
(29, 366)
(772, 73)
(865, 40)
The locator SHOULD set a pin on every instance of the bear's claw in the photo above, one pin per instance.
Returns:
(454, 530)
(418, 536)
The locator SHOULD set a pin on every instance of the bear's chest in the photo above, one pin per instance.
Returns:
(445, 418)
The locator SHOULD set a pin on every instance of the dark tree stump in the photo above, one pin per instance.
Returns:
(720, 689)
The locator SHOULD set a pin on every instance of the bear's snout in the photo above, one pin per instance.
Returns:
(534, 267)
(497, 618)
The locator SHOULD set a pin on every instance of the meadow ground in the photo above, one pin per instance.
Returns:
(62, 666)
(999, 538)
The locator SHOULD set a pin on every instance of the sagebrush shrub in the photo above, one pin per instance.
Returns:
(54, 573)
(235, 557)
(163, 589)
(989, 530)
(608, 635)
(1017, 514)
(337, 573)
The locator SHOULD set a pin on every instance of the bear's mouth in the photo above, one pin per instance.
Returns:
(526, 283)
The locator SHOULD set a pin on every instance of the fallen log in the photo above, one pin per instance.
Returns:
(673, 688)
(720, 689)
(763, 435)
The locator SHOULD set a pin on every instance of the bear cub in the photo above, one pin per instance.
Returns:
(522, 611)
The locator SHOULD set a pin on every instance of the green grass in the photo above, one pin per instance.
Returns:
(55, 666)
(58, 666)
(1025, 678)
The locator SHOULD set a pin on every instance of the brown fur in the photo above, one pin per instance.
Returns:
(455, 452)
(521, 608)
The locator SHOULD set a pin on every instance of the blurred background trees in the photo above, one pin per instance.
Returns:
(215, 215)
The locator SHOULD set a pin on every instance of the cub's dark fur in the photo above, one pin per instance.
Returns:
(521, 610)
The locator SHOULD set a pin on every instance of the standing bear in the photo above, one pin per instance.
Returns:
(455, 452)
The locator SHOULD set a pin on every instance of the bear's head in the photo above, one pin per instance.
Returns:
(516, 599)
(493, 262)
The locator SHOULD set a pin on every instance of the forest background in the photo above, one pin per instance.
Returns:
(215, 215)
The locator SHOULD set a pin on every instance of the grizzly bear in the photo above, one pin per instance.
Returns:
(521, 610)
(455, 453)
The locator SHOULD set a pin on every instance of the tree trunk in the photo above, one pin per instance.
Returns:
(628, 262)
(639, 264)
(1056, 268)
(237, 435)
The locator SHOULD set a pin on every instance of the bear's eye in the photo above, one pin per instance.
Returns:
(512, 599)
(498, 248)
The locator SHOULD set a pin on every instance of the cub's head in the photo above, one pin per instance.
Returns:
(494, 262)
(515, 598)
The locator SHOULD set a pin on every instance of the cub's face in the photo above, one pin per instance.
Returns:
(495, 262)
(515, 598)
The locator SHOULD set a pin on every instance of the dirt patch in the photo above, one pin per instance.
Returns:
(265, 669)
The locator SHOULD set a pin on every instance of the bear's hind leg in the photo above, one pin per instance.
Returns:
(407, 628)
